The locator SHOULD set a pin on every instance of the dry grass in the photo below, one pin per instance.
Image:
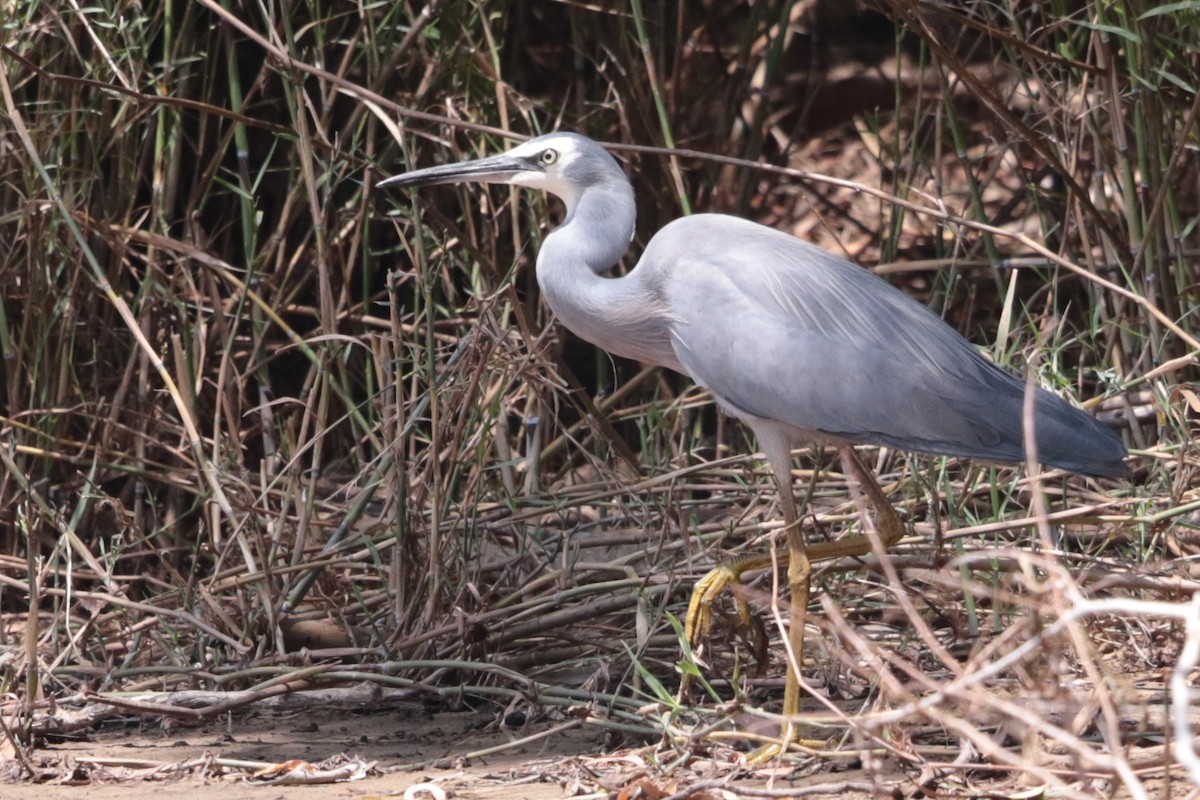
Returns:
(251, 409)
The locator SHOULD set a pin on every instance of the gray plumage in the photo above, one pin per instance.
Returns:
(796, 342)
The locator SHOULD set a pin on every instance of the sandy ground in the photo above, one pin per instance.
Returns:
(133, 759)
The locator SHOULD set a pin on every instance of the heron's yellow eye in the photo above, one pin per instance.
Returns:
(548, 157)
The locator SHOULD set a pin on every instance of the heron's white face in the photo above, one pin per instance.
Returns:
(550, 160)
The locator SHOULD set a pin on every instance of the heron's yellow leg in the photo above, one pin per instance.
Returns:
(890, 531)
(698, 623)
(799, 584)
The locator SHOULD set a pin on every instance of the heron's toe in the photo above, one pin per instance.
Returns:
(698, 622)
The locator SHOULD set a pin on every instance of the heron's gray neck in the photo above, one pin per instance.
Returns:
(597, 229)
(618, 314)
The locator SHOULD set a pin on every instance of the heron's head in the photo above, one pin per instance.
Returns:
(563, 164)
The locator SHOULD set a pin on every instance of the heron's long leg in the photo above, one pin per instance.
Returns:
(801, 555)
(799, 581)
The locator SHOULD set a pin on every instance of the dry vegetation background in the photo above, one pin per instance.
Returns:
(263, 428)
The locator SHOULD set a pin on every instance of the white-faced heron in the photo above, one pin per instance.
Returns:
(799, 344)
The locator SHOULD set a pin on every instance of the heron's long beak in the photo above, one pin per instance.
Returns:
(493, 169)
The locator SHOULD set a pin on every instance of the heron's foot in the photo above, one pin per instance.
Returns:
(697, 624)
(773, 750)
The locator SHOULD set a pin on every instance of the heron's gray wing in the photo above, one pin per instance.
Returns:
(780, 329)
